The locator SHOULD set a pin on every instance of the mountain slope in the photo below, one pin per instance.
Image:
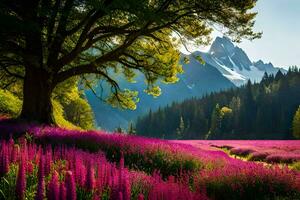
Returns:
(226, 66)
(253, 111)
(195, 82)
(234, 63)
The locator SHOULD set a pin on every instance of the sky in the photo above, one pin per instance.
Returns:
(279, 20)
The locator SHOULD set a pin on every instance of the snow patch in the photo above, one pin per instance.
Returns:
(237, 76)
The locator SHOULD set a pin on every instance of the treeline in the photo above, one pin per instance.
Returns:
(262, 110)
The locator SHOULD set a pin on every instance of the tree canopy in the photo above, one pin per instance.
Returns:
(45, 42)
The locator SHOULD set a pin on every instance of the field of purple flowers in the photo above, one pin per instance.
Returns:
(270, 151)
(29, 171)
(54, 163)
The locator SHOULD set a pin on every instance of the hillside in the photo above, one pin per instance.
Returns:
(255, 111)
(196, 81)
(53, 163)
(225, 66)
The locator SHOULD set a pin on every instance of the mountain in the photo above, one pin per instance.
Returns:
(234, 63)
(196, 81)
(226, 66)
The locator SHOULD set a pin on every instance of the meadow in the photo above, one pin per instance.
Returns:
(269, 151)
(55, 163)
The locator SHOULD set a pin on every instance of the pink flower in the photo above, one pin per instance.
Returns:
(21, 181)
(126, 189)
(62, 192)
(140, 197)
(120, 196)
(90, 177)
(15, 153)
(41, 182)
(53, 187)
(40, 189)
(4, 159)
(48, 162)
(96, 197)
(70, 186)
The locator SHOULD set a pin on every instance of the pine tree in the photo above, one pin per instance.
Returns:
(265, 79)
(119, 129)
(296, 124)
(279, 75)
(226, 120)
(131, 129)
(180, 129)
(259, 111)
(248, 109)
(215, 127)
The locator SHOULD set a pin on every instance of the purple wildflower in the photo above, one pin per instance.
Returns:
(90, 177)
(62, 192)
(53, 188)
(21, 181)
(70, 186)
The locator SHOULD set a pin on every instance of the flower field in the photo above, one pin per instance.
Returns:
(270, 151)
(29, 171)
(54, 163)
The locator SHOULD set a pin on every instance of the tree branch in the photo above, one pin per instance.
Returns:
(5, 68)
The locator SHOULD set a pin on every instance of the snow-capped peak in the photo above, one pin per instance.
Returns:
(234, 63)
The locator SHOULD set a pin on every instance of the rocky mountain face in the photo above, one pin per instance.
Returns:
(234, 63)
(226, 66)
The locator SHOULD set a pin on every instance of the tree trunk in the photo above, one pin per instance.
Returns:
(37, 90)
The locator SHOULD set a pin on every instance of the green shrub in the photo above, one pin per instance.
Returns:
(296, 166)
(58, 113)
(80, 113)
(9, 103)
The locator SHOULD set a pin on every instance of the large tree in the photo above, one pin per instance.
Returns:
(45, 42)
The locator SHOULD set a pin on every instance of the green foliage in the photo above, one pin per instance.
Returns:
(8, 184)
(216, 118)
(186, 60)
(226, 111)
(82, 193)
(296, 124)
(76, 113)
(154, 91)
(150, 161)
(80, 113)
(125, 99)
(9, 103)
(71, 107)
(131, 129)
(296, 166)
(67, 91)
(180, 129)
(220, 120)
(59, 118)
(119, 130)
(76, 38)
(255, 111)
